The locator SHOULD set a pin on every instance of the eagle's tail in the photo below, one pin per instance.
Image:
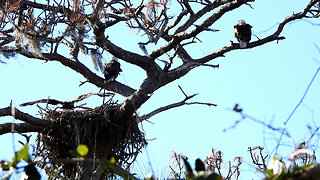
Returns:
(243, 44)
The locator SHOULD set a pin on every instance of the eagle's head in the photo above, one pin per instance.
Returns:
(241, 22)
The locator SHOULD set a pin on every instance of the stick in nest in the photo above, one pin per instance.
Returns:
(65, 104)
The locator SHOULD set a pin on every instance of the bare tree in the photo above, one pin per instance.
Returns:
(41, 30)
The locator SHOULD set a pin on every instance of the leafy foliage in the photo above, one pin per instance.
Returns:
(30, 169)
(199, 173)
(82, 150)
(23, 154)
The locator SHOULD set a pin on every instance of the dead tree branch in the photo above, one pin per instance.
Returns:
(17, 114)
(59, 31)
(85, 31)
(66, 104)
(164, 108)
(180, 36)
(174, 105)
(284, 130)
(78, 67)
(186, 67)
(156, 77)
(258, 159)
(18, 128)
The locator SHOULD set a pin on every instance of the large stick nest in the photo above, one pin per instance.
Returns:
(97, 128)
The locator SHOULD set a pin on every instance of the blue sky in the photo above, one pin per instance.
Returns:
(267, 81)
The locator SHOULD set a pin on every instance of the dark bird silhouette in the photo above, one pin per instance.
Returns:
(243, 33)
(64, 104)
(111, 70)
(236, 108)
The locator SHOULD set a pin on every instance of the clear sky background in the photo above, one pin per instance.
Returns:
(267, 81)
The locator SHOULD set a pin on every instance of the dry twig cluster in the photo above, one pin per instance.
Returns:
(92, 127)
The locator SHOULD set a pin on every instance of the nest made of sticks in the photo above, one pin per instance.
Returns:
(97, 128)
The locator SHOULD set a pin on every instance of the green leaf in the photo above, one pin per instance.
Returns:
(303, 167)
(214, 176)
(111, 161)
(188, 173)
(271, 176)
(23, 154)
(203, 175)
(82, 150)
(187, 165)
(283, 175)
(74, 153)
(269, 172)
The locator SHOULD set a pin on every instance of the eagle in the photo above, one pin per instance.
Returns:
(243, 33)
(111, 70)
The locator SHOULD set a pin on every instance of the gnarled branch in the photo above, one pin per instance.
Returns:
(186, 67)
(17, 114)
(78, 67)
(18, 128)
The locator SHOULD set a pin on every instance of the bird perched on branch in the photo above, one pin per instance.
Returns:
(236, 108)
(243, 33)
(111, 70)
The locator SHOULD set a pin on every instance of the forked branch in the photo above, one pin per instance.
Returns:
(174, 105)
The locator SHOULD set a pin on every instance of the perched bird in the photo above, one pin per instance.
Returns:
(111, 70)
(243, 33)
(236, 108)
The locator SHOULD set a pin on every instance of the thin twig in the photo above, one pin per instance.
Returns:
(170, 106)
(294, 110)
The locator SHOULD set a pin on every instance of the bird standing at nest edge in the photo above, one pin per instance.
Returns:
(243, 33)
(111, 70)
